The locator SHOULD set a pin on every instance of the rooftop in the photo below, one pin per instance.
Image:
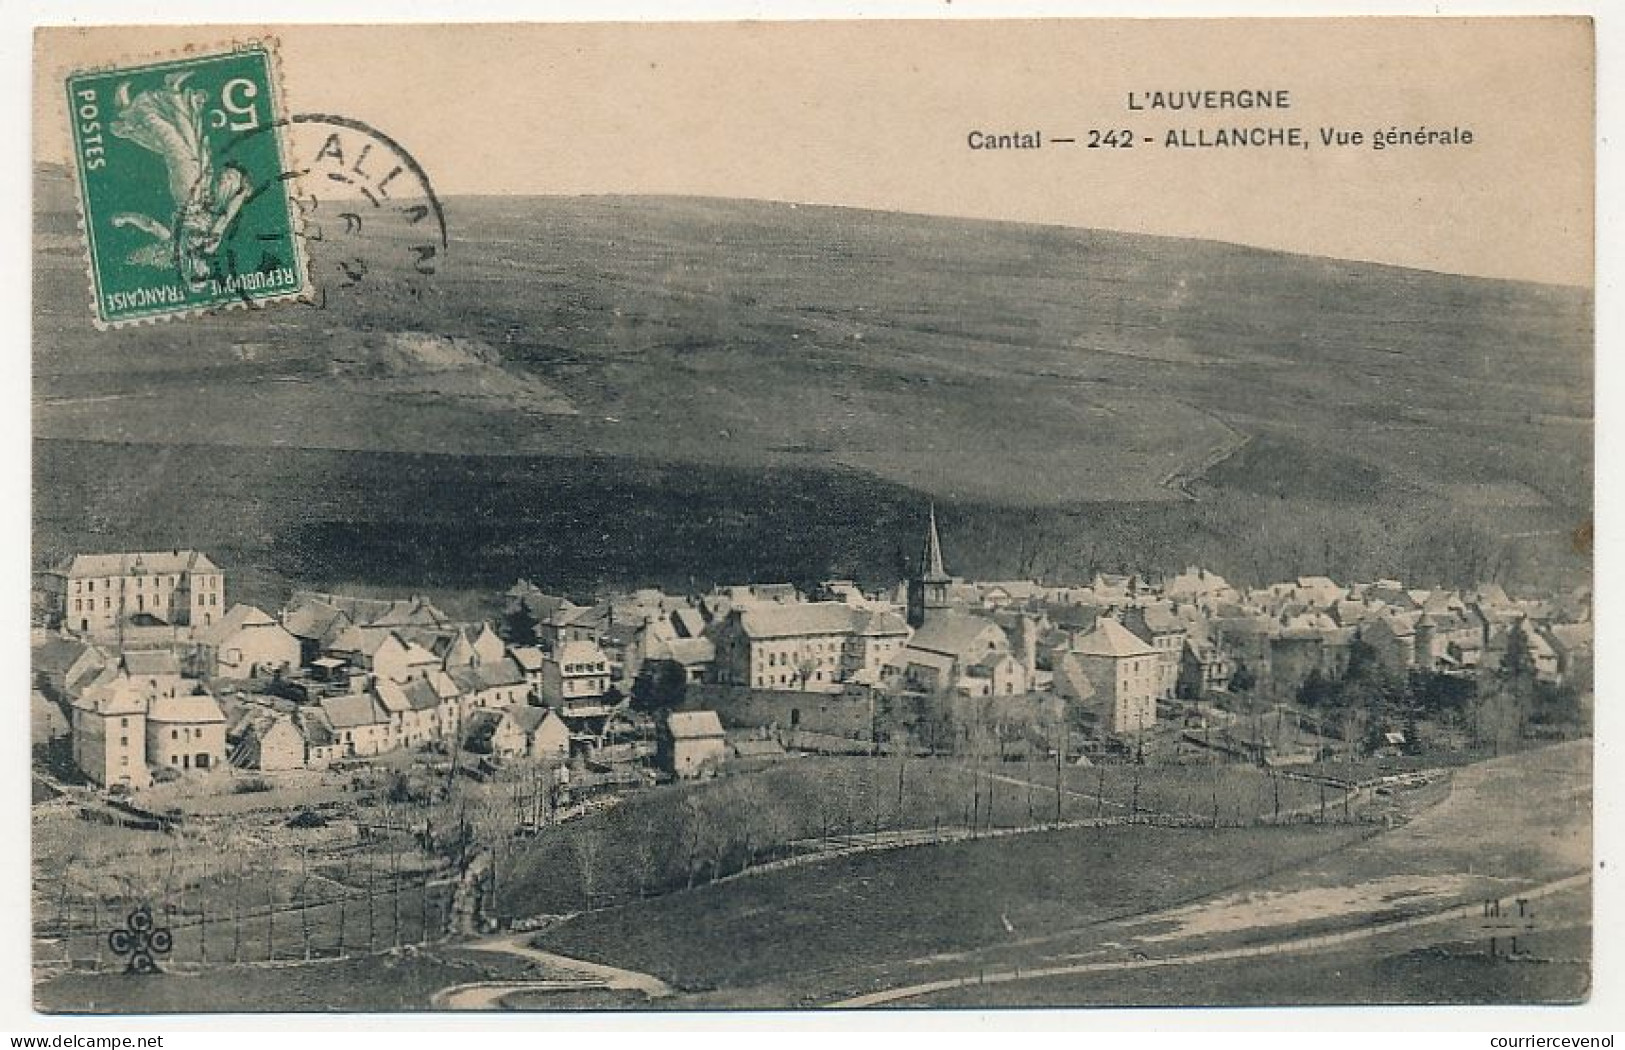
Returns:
(691, 725)
(1110, 638)
(171, 562)
(800, 618)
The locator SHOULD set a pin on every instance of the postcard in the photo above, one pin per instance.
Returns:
(803, 515)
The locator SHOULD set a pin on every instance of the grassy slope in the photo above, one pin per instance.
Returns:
(833, 928)
(644, 843)
(865, 922)
(753, 354)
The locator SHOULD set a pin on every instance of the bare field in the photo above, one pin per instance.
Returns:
(718, 390)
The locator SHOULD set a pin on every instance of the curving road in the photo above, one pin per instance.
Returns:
(488, 995)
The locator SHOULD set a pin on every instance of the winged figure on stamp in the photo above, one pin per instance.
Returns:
(170, 121)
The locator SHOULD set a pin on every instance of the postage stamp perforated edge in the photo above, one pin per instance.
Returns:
(289, 182)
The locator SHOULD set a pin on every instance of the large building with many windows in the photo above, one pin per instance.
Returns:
(813, 647)
(100, 594)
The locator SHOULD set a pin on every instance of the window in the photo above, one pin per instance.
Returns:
(107, 603)
(174, 734)
(91, 586)
(124, 723)
(123, 741)
(124, 760)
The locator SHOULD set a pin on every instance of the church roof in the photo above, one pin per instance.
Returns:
(954, 634)
(881, 622)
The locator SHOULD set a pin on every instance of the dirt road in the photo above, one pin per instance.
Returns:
(488, 995)
(1319, 942)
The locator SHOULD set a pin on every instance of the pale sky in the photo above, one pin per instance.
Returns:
(876, 114)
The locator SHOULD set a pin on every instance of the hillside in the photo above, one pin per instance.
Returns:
(997, 367)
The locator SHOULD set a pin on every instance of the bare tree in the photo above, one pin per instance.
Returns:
(852, 790)
(304, 910)
(644, 854)
(589, 850)
(344, 897)
(203, 914)
(749, 804)
(805, 670)
(394, 871)
(239, 856)
(830, 801)
(372, 872)
(74, 841)
(491, 825)
(270, 916)
(694, 832)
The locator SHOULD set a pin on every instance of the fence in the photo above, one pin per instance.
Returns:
(77, 933)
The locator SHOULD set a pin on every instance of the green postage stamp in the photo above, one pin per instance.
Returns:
(184, 186)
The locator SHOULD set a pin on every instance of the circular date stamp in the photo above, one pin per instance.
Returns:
(368, 215)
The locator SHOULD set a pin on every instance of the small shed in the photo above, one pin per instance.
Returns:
(690, 742)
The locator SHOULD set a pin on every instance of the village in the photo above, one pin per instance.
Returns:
(155, 676)
(346, 751)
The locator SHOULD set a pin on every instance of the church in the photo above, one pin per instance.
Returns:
(952, 650)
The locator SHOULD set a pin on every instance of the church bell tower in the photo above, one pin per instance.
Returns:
(928, 592)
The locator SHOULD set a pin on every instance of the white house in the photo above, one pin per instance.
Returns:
(575, 673)
(246, 643)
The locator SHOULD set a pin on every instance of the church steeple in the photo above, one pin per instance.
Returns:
(931, 560)
(928, 591)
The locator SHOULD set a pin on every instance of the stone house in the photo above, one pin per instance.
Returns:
(1125, 673)
(246, 643)
(689, 743)
(186, 731)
